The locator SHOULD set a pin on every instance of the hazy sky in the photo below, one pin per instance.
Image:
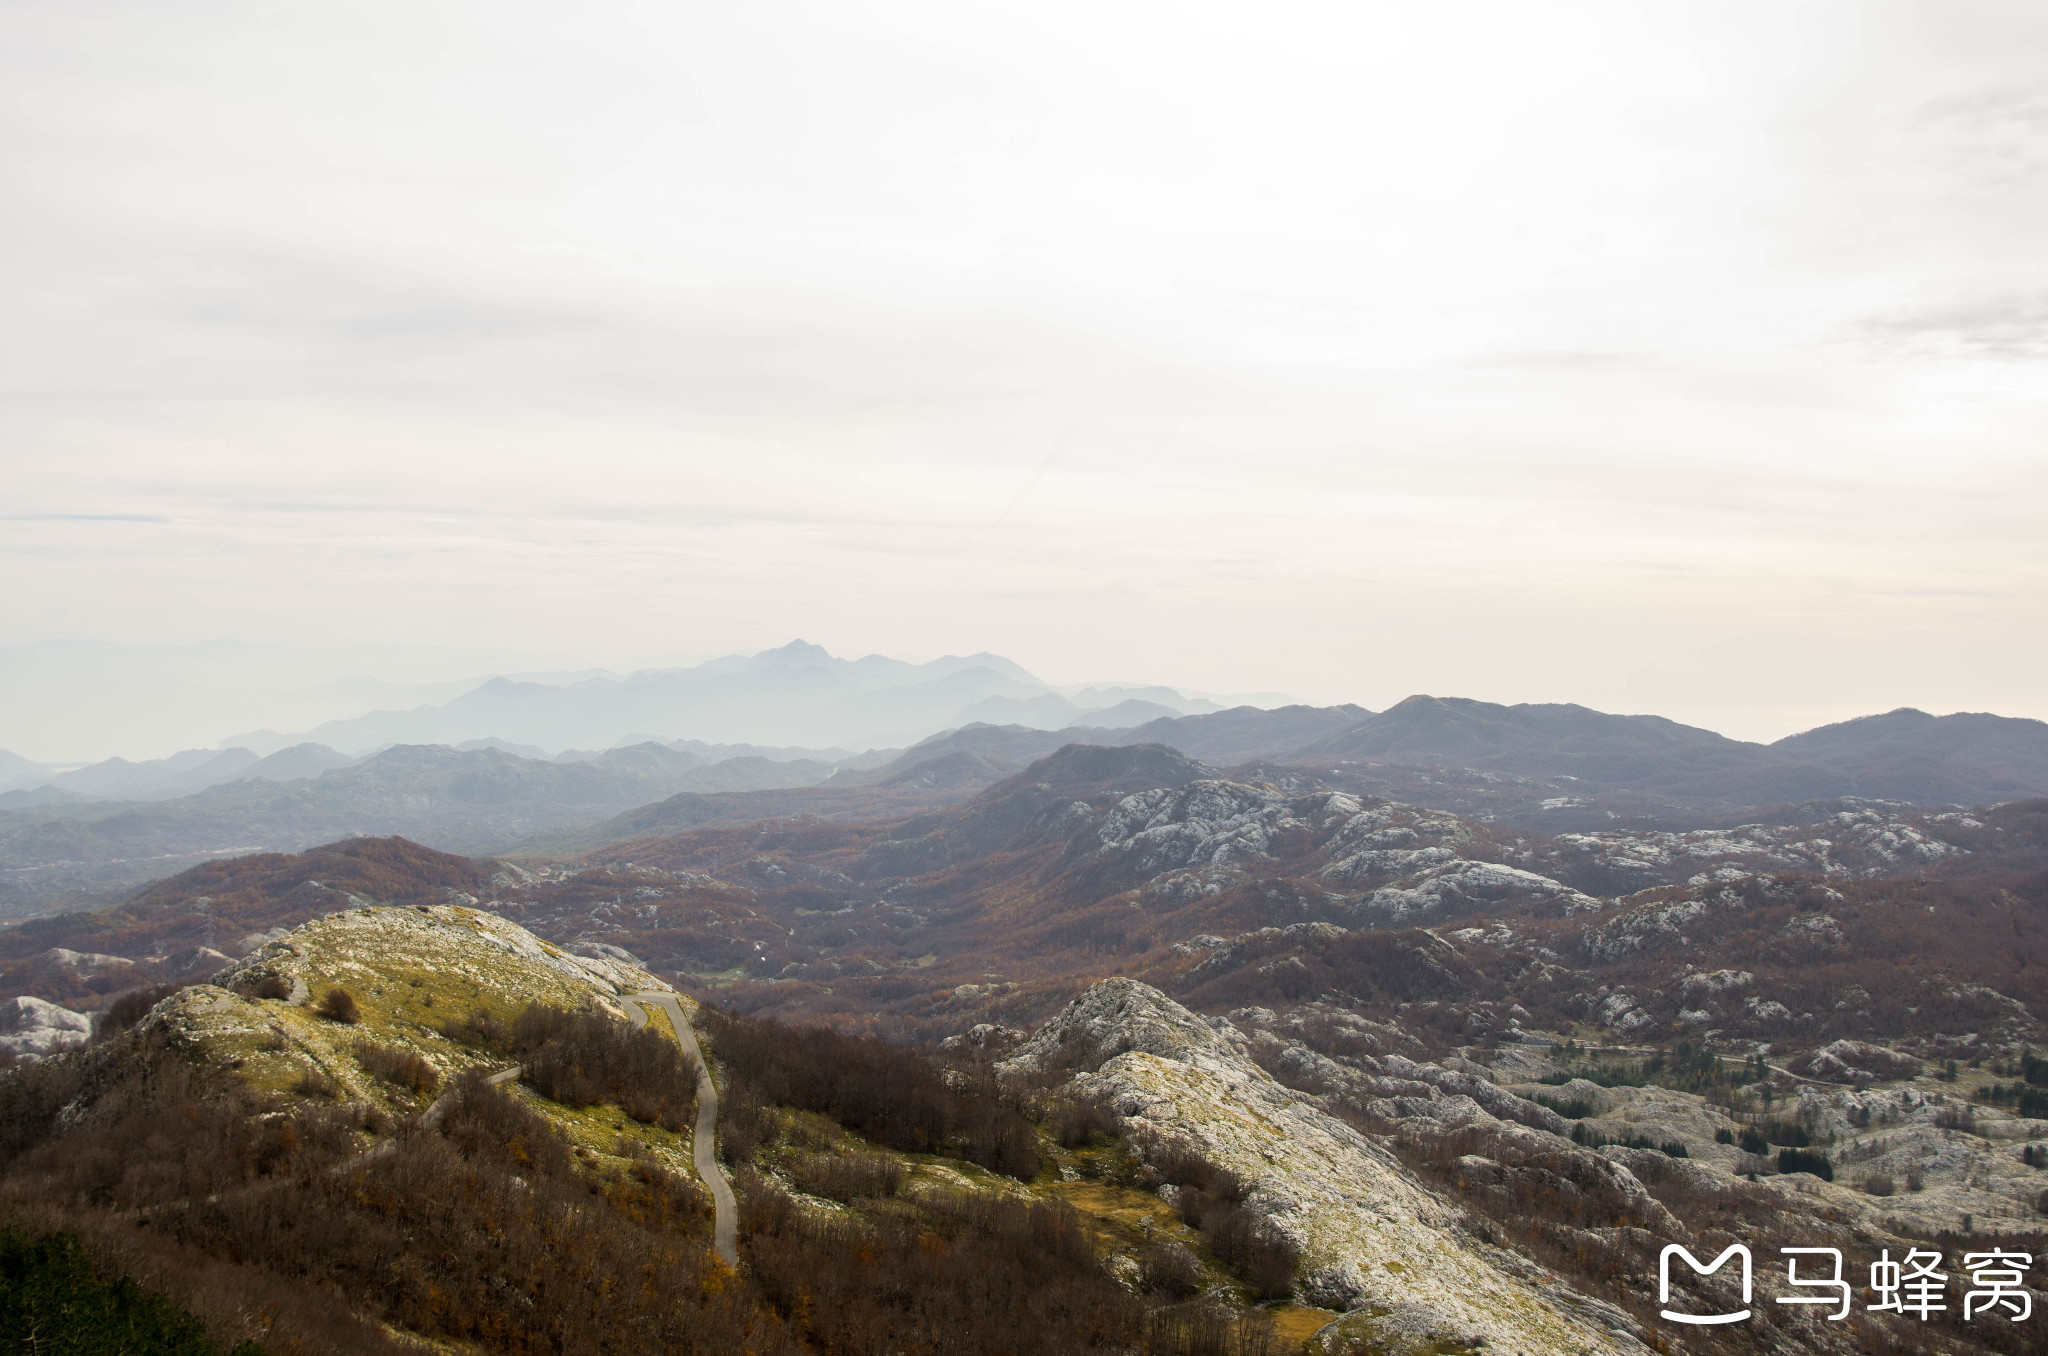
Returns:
(1689, 359)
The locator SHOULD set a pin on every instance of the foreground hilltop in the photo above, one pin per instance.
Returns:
(409, 972)
(424, 1121)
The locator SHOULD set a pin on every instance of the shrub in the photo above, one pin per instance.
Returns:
(1878, 1184)
(317, 1085)
(892, 1095)
(1785, 1134)
(584, 1058)
(743, 1123)
(1168, 1269)
(477, 1028)
(1207, 1329)
(970, 1273)
(1806, 1160)
(271, 986)
(400, 1068)
(1084, 1120)
(1915, 1182)
(1250, 1246)
(1674, 1149)
(339, 1005)
(1210, 1198)
(849, 1177)
(132, 1007)
(1183, 1165)
(1571, 1108)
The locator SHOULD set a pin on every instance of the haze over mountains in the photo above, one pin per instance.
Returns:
(797, 694)
(1407, 917)
(80, 834)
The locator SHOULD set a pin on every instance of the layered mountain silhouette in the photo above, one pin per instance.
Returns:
(798, 694)
(1551, 766)
(459, 798)
(1903, 755)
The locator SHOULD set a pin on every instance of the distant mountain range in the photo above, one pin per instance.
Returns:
(797, 694)
(1565, 752)
(477, 796)
(1554, 768)
(1902, 755)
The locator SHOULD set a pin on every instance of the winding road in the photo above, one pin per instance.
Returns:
(725, 1230)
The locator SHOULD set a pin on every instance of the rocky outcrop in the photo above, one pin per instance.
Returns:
(1861, 838)
(1855, 1062)
(478, 945)
(1394, 840)
(81, 964)
(1372, 1237)
(32, 1028)
(1215, 823)
(1458, 884)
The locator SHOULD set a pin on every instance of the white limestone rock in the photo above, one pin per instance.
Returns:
(1459, 883)
(33, 1028)
(80, 964)
(1371, 1236)
(1858, 1062)
(1212, 824)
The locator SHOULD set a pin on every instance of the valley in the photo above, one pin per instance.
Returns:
(1295, 1061)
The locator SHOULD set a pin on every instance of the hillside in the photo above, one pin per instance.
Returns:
(486, 1135)
(488, 1132)
(1543, 769)
(469, 800)
(1092, 861)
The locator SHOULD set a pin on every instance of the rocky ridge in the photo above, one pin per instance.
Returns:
(1372, 1239)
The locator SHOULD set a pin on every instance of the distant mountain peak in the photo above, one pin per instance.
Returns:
(797, 650)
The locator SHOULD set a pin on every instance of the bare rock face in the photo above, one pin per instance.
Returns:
(1214, 823)
(1117, 1016)
(1856, 1062)
(32, 1028)
(81, 964)
(1455, 883)
(1372, 1238)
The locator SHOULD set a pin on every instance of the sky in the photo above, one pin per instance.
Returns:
(1689, 359)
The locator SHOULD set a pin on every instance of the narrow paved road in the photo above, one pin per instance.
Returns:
(725, 1229)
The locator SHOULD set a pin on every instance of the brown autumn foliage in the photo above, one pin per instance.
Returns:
(583, 1058)
(972, 1274)
(400, 1068)
(897, 1096)
(491, 1230)
(1211, 1199)
(132, 1007)
(339, 1005)
(897, 928)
